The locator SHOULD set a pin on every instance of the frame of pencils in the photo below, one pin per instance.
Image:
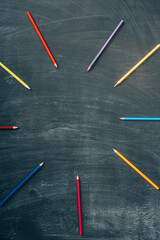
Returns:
(24, 84)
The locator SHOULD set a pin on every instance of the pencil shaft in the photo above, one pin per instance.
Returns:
(14, 75)
(141, 119)
(136, 169)
(41, 38)
(137, 65)
(106, 43)
(19, 185)
(79, 207)
(7, 127)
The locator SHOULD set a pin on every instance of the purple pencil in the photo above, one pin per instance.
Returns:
(106, 43)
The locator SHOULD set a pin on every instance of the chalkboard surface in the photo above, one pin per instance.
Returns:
(70, 120)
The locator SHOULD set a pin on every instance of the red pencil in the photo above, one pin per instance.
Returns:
(8, 127)
(42, 39)
(79, 206)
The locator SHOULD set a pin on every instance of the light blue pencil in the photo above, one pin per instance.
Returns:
(20, 184)
(140, 118)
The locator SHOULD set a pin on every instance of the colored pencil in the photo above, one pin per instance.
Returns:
(137, 65)
(106, 43)
(140, 118)
(79, 206)
(136, 169)
(8, 127)
(20, 184)
(14, 75)
(42, 39)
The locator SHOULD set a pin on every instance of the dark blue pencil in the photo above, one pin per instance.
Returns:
(20, 184)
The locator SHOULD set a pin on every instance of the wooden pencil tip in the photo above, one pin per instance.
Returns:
(115, 84)
(41, 164)
(88, 69)
(122, 118)
(77, 176)
(55, 64)
(114, 150)
(15, 127)
(28, 87)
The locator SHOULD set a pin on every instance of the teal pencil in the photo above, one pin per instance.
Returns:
(140, 118)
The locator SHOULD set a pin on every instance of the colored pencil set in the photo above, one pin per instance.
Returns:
(122, 118)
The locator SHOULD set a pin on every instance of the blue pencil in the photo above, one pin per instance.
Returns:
(20, 184)
(140, 118)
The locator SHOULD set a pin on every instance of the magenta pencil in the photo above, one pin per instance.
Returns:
(106, 43)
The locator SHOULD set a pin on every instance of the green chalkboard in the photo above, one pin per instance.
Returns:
(70, 120)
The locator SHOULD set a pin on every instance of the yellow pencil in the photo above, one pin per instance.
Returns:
(137, 65)
(136, 169)
(15, 76)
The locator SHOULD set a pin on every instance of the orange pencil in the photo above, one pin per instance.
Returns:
(42, 39)
(136, 169)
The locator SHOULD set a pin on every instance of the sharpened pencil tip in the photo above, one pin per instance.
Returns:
(88, 69)
(41, 164)
(15, 127)
(28, 87)
(122, 118)
(114, 150)
(55, 65)
(77, 176)
(115, 84)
